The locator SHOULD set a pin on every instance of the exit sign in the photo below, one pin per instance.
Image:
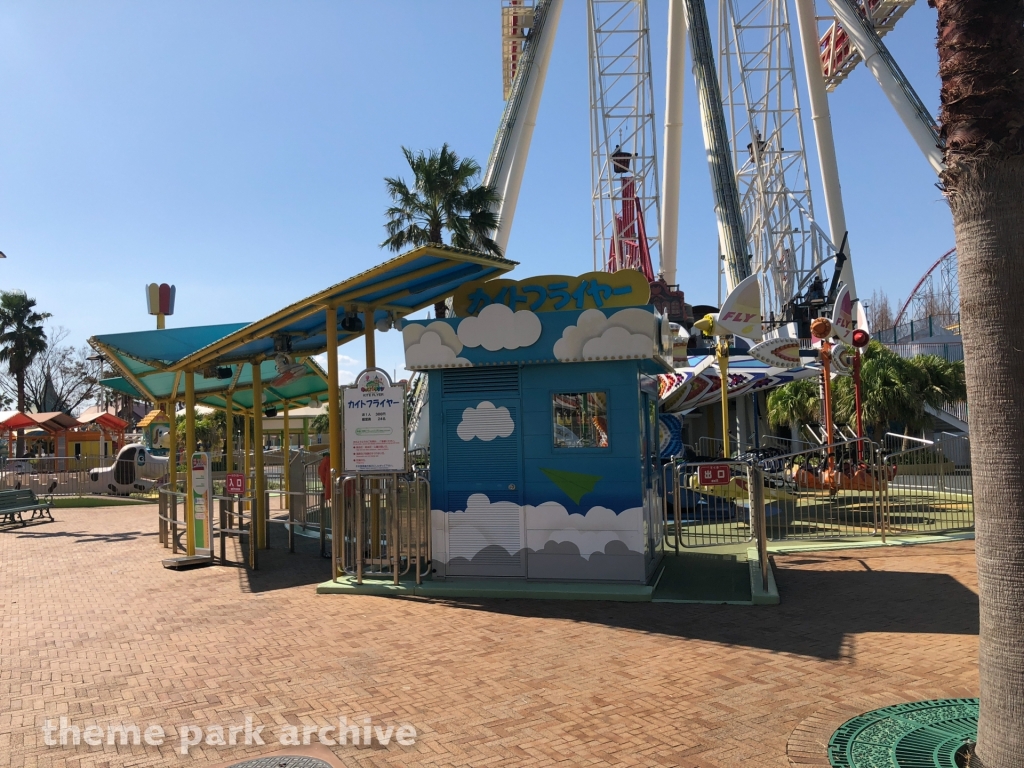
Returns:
(713, 474)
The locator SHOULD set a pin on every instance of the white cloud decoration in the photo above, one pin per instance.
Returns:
(485, 422)
(432, 346)
(627, 334)
(498, 327)
(590, 533)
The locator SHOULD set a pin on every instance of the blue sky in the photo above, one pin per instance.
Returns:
(237, 150)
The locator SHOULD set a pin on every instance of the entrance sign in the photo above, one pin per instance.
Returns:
(201, 507)
(234, 483)
(374, 424)
(713, 474)
(551, 293)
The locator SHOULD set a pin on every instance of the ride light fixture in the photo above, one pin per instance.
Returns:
(352, 323)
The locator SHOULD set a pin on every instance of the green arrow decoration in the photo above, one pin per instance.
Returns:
(575, 485)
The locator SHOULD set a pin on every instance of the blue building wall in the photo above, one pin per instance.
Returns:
(514, 505)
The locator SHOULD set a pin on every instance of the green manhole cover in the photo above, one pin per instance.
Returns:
(925, 734)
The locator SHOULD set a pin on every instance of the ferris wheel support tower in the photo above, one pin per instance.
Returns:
(824, 138)
(672, 154)
(529, 68)
(908, 105)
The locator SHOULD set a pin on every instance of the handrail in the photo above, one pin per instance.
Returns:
(908, 437)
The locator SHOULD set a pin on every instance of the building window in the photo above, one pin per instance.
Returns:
(580, 419)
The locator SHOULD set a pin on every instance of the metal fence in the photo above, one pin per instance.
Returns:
(709, 446)
(383, 525)
(700, 514)
(931, 489)
(851, 489)
(77, 476)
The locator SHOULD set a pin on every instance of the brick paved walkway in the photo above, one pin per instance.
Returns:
(93, 628)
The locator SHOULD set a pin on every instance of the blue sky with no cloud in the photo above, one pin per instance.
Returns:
(238, 150)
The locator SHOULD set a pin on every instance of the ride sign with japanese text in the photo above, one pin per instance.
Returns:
(374, 424)
(552, 293)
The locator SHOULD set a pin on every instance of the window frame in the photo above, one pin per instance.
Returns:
(583, 448)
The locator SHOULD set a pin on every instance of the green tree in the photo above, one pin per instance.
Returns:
(321, 425)
(890, 393)
(940, 381)
(210, 431)
(894, 390)
(22, 339)
(981, 67)
(794, 405)
(444, 196)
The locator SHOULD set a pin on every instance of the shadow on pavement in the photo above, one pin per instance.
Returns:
(83, 537)
(279, 568)
(819, 609)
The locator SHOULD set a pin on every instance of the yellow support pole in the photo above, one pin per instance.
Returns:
(333, 396)
(246, 453)
(371, 344)
(172, 444)
(722, 354)
(259, 511)
(229, 434)
(190, 445)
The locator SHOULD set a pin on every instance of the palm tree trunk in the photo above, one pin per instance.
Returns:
(981, 58)
(19, 380)
(990, 249)
(440, 308)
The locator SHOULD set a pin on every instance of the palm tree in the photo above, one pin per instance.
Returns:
(22, 338)
(981, 58)
(794, 405)
(891, 392)
(443, 197)
(941, 381)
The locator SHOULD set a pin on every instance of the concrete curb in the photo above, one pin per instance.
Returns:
(758, 594)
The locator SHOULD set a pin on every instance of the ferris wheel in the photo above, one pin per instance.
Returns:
(751, 125)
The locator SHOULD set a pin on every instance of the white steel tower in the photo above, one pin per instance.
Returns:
(624, 162)
(760, 97)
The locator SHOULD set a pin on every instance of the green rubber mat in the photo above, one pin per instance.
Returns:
(924, 734)
(703, 578)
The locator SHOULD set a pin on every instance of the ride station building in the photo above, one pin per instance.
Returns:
(544, 428)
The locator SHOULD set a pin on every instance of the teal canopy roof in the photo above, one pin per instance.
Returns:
(400, 286)
(150, 362)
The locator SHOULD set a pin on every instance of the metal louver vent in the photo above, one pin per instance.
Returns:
(476, 380)
(496, 460)
(492, 537)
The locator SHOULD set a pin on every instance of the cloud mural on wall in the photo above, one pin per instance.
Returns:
(547, 525)
(590, 533)
(498, 327)
(432, 346)
(485, 422)
(629, 333)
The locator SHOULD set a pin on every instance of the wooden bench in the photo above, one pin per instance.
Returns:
(14, 504)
